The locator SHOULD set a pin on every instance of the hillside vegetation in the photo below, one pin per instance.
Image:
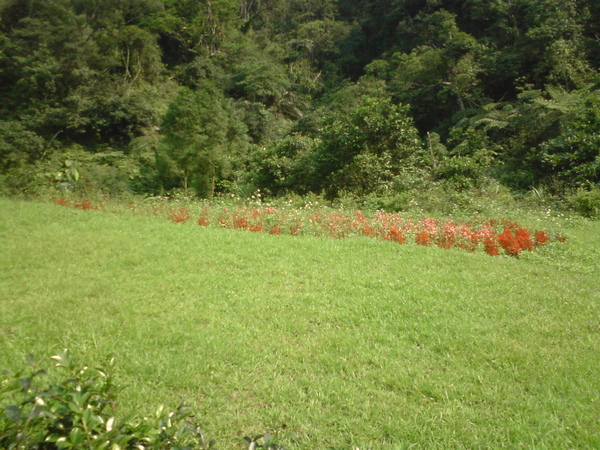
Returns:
(361, 99)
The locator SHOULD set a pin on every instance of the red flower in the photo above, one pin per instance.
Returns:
(180, 215)
(423, 238)
(85, 205)
(395, 235)
(491, 246)
(508, 241)
(61, 201)
(541, 237)
(524, 239)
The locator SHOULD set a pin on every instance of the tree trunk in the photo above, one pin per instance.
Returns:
(211, 188)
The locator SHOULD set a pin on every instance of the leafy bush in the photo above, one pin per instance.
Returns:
(587, 203)
(78, 411)
(37, 412)
(18, 145)
(574, 155)
(364, 148)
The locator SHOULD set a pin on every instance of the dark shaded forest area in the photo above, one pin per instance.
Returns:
(369, 99)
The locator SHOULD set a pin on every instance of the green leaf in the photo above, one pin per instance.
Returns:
(62, 360)
(25, 383)
(87, 415)
(36, 410)
(104, 445)
(77, 435)
(13, 413)
(73, 407)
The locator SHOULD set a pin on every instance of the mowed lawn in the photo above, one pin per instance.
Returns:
(332, 343)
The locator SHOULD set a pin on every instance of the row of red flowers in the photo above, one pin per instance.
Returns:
(492, 236)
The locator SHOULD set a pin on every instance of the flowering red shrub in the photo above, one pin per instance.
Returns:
(524, 239)
(541, 237)
(366, 230)
(508, 241)
(492, 236)
(204, 219)
(224, 220)
(180, 215)
(61, 201)
(395, 235)
(240, 223)
(422, 238)
(447, 239)
(512, 239)
(491, 246)
(295, 229)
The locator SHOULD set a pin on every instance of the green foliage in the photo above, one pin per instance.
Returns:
(79, 75)
(76, 408)
(200, 134)
(363, 148)
(470, 160)
(18, 146)
(265, 126)
(260, 81)
(587, 202)
(440, 75)
(547, 137)
(267, 441)
(107, 173)
(287, 166)
(102, 74)
(574, 155)
(364, 142)
(69, 178)
(463, 172)
(320, 41)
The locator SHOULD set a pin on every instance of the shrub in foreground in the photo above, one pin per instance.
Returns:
(78, 411)
(39, 412)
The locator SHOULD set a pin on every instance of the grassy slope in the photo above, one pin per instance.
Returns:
(343, 342)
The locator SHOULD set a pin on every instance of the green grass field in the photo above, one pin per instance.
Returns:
(334, 343)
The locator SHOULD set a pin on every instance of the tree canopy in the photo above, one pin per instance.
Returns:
(298, 96)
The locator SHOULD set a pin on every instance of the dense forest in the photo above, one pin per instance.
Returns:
(369, 99)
